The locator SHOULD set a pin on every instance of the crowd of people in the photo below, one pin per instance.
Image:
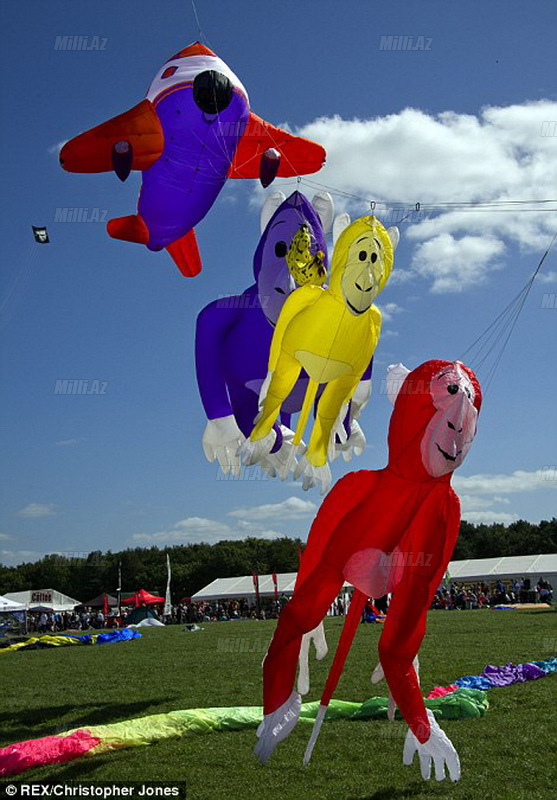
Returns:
(480, 595)
(43, 622)
(449, 597)
(223, 610)
(87, 619)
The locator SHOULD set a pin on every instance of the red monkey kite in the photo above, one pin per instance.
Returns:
(388, 530)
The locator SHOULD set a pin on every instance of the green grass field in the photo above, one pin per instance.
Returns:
(509, 753)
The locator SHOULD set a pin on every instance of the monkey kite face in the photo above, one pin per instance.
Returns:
(436, 407)
(274, 281)
(451, 431)
(362, 263)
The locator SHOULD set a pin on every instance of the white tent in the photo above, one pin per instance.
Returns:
(469, 570)
(491, 569)
(237, 588)
(10, 605)
(43, 600)
(243, 587)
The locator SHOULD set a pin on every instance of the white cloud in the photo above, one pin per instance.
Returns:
(292, 508)
(388, 310)
(547, 277)
(489, 517)
(269, 534)
(5, 536)
(68, 442)
(481, 494)
(202, 529)
(453, 265)
(499, 156)
(36, 510)
(11, 558)
(190, 529)
(469, 503)
(518, 481)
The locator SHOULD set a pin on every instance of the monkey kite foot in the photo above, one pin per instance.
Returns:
(283, 462)
(311, 476)
(277, 726)
(438, 749)
(251, 453)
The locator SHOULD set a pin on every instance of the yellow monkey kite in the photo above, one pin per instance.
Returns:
(330, 332)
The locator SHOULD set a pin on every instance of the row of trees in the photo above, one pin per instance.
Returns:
(196, 565)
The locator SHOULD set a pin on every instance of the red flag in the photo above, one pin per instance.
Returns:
(274, 576)
(105, 605)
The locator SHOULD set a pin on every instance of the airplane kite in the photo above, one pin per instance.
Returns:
(193, 130)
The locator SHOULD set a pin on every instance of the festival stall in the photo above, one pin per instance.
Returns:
(13, 617)
(43, 600)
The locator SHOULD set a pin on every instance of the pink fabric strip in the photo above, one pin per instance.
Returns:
(56, 749)
(439, 691)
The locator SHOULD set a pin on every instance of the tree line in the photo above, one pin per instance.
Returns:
(196, 565)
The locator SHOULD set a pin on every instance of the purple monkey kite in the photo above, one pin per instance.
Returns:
(234, 335)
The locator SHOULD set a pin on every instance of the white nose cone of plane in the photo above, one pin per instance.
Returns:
(186, 65)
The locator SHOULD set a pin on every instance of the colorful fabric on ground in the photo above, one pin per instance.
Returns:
(441, 691)
(548, 666)
(17, 758)
(513, 673)
(474, 682)
(500, 676)
(375, 618)
(36, 642)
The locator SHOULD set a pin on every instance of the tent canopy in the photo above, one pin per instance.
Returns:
(44, 600)
(469, 570)
(143, 598)
(98, 601)
(490, 569)
(237, 588)
(10, 605)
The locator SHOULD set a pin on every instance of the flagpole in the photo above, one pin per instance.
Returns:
(119, 589)
(167, 611)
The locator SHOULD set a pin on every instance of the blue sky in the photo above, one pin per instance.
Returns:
(458, 121)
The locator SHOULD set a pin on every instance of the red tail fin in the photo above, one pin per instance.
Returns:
(130, 229)
(185, 254)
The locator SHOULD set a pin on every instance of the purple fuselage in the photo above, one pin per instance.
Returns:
(182, 185)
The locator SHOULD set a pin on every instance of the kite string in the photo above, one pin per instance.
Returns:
(504, 324)
(18, 287)
(199, 29)
(463, 205)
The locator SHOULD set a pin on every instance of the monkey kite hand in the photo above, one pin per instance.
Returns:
(388, 530)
